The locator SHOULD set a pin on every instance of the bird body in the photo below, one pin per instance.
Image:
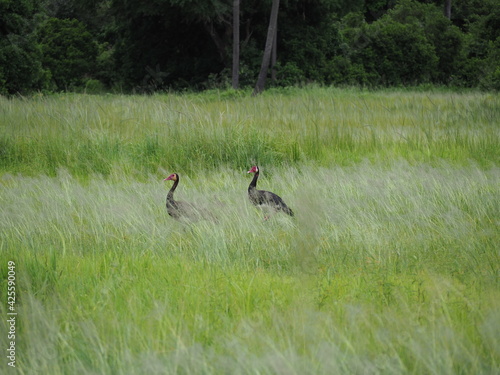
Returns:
(179, 209)
(266, 198)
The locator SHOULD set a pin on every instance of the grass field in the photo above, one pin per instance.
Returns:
(390, 266)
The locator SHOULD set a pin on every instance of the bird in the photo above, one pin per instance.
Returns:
(265, 198)
(179, 209)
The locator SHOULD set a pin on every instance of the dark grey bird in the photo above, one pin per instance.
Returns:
(265, 198)
(179, 209)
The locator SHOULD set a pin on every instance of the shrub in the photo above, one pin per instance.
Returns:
(69, 52)
(307, 53)
(289, 74)
(20, 67)
(447, 39)
(483, 49)
(397, 54)
(490, 79)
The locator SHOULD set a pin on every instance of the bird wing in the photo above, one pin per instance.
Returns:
(267, 197)
(275, 201)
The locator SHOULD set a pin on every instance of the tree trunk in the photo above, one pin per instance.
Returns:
(220, 43)
(447, 9)
(236, 43)
(274, 56)
(271, 32)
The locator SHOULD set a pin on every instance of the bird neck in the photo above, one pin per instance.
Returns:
(170, 195)
(253, 184)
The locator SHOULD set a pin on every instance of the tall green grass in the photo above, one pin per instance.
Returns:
(101, 134)
(390, 266)
(386, 269)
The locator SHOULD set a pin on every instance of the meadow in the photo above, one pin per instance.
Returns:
(391, 264)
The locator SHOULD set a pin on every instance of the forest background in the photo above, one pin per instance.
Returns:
(140, 46)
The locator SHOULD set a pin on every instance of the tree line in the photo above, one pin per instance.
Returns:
(154, 45)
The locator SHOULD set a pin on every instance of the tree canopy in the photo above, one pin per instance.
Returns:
(145, 46)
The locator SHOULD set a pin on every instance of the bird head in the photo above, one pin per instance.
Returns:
(172, 177)
(254, 169)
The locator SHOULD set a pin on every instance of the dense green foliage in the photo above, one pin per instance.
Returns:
(390, 265)
(20, 56)
(68, 51)
(174, 44)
